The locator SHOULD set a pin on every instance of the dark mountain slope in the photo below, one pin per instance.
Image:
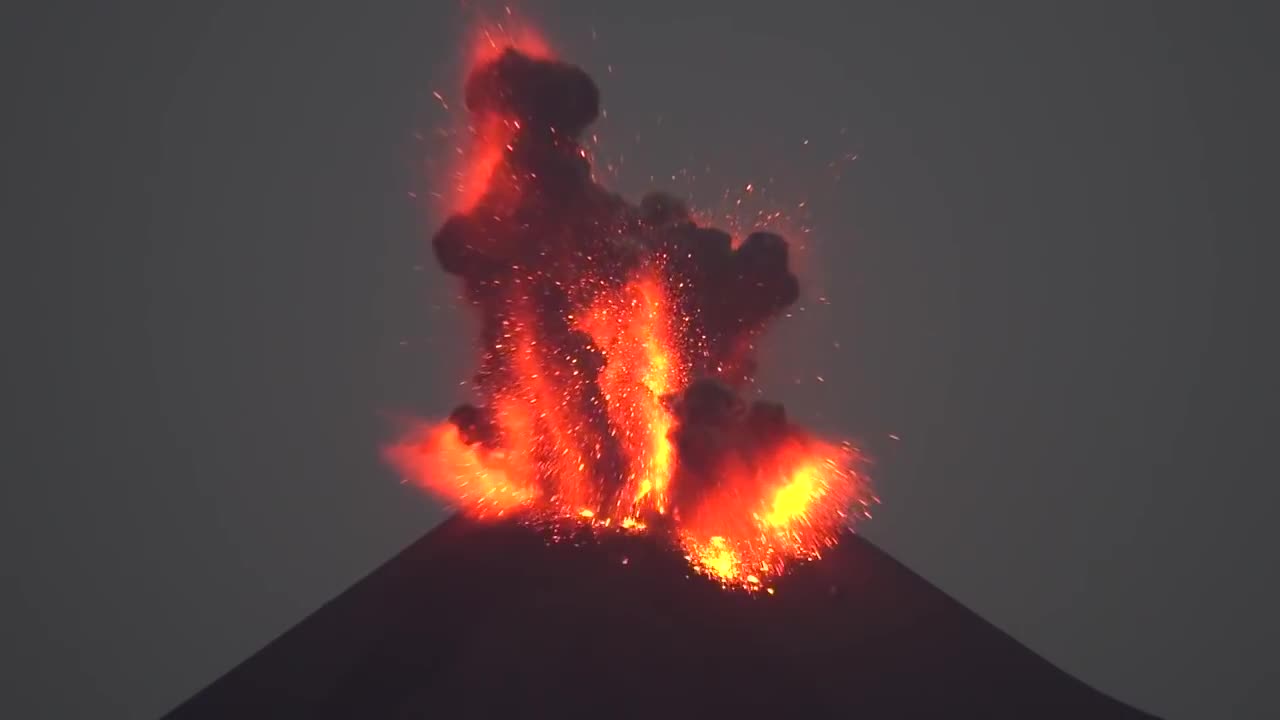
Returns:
(490, 620)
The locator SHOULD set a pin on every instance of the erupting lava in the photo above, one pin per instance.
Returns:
(616, 340)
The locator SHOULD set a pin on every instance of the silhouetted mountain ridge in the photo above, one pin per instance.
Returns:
(480, 620)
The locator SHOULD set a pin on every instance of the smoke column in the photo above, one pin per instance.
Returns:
(615, 341)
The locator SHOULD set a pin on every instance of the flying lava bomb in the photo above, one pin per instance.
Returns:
(616, 343)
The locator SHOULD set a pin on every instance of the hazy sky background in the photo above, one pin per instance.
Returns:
(1044, 271)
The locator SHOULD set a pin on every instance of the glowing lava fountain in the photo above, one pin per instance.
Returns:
(616, 341)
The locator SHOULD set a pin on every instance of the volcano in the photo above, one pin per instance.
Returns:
(640, 535)
(484, 619)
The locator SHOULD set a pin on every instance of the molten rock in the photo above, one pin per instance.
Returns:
(614, 341)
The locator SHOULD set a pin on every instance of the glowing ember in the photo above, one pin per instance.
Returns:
(616, 339)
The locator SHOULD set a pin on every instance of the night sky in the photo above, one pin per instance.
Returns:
(1043, 272)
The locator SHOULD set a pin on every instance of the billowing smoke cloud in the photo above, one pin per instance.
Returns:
(545, 240)
(616, 341)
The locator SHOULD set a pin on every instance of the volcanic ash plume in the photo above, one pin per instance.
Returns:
(616, 341)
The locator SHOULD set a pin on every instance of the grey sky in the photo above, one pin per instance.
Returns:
(1044, 273)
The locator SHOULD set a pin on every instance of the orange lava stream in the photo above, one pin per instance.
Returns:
(489, 139)
(475, 174)
(632, 330)
(538, 418)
